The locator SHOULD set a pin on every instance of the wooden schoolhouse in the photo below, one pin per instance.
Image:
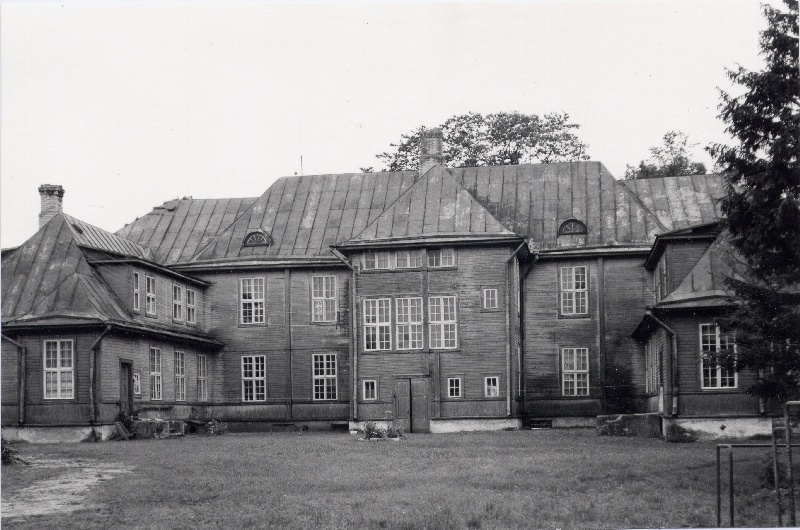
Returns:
(439, 300)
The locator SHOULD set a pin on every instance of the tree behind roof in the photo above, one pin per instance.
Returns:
(671, 160)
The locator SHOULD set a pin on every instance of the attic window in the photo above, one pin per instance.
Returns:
(573, 227)
(257, 239)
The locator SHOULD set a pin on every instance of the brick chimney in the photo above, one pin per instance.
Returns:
(52, 196)
(430, 150)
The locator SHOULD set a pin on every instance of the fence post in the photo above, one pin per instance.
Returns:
(790, 475)
(719, 492)
(730, 482)
(775, 473)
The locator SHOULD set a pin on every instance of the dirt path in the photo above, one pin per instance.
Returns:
(67, 492)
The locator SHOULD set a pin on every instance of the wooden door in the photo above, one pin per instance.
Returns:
(420, 405)
(402, 404)
(126, 387)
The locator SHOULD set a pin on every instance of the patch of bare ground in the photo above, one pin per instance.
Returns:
(67, 491)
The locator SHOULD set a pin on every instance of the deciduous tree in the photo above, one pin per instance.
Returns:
(670, 160)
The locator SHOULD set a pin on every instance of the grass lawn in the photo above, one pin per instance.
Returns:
(515, 479)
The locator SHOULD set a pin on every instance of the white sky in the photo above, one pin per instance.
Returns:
(130, 104)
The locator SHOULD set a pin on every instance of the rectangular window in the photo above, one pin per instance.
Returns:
(652, 353)
(409, 259)
(254, 378)
(454, 387)
(180, 376)
(370, 392)
(443, 323)
(252, 301)
(441, 257)
(575, 371)
(377, 327)
(660, 279)
(136, 291)
(323, 298)
(376, 260)
(177, 302)
(59, 371)
(491, 386)
(324, 376)
(137, 384)
(155, 373)
(712, 342)
(202, 378)
(490, 298)
(150, 295)
(409, 323)
(574, 291)
(191, 306)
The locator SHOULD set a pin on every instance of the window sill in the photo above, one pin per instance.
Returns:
(492, 310)
(324, 323)
(252, 326)
(151, 315)
(575, 317)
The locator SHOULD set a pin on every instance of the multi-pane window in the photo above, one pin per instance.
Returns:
(409, 259)
(202, 378)
(574, 291)
(409, 323)
(491, 386)
(136, 291)
(441, 257)
(323, 298)
(370, 391)
(377, 326)
(150, 294)
(180, 376)
(660, 279)
(454, 387)
(712, 342)
(177, 302)
(490, 298)
(324, 376)
(252, 301)
(443, 323)
(155, 373)
(652, 353)
(254, 378)
(575, 371)
(376, 260)
(59, 372)
(191, 306)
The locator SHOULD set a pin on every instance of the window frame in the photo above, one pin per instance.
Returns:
(575, 292)
(137, 291)
(370, 260)
(156, 379)
(202, 377)
(436, 326)
(253, 302)
(576, 372)
(563, 229)
(410, 324)
(150, 296)
(719, 338)
(327, 318)
(191, 308)
(324, 377)
(364, 394)
(259, 375)
(180, 375)
(486, 394)
(459, 386)
(431, 258)
(407, 257)
(177, 302)
(484, 305)
(137, 384)
(59, 369)
(653, 354)
(377, 325)
(250, 240)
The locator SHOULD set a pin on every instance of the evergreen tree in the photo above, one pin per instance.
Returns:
(762, 209)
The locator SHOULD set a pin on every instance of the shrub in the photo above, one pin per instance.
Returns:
(677, 434)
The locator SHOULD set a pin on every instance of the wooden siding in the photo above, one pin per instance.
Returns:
(9, 376)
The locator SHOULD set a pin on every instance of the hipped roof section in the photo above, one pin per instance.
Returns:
(435, 209)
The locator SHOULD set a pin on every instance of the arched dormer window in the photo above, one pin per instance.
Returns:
(573, 227)
(257, 238)
(571, 233)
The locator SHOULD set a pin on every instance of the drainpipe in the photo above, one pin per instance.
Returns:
(353, 345)
(673, 361)
(23, 354)
(95, 347)
(524, 277)
(509, 263)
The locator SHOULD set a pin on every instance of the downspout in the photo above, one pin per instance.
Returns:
(673, 361)
(508, 326)
(94, 347)
(523, 277)
(23, 354)
(352, 345)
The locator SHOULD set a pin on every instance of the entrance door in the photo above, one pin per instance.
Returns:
(412, 404)
(126, 387)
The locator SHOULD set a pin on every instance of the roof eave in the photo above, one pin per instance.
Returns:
(148, 264)
(418, 241)
(285, 262)
(600, 250)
